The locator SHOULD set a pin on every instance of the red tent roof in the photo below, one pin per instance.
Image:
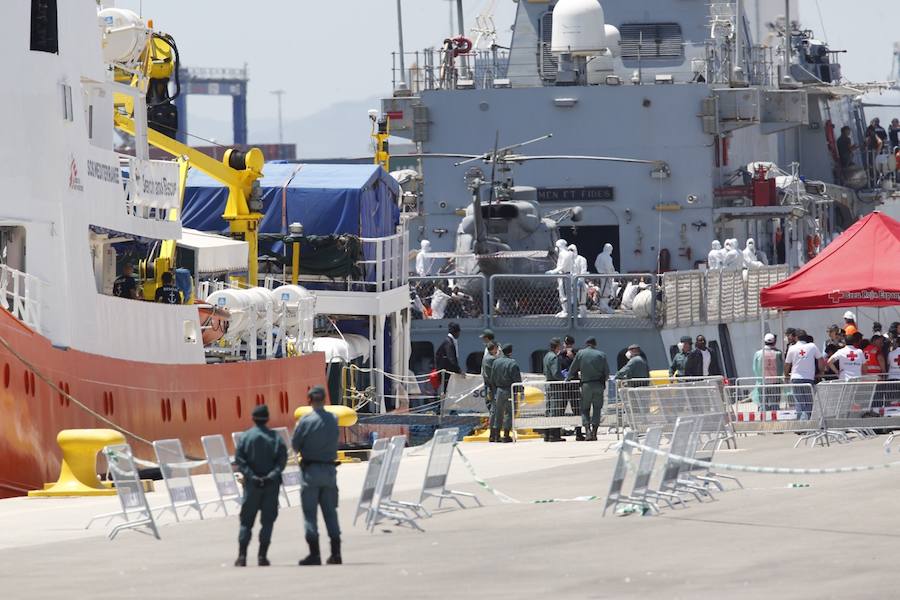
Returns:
(860, 268)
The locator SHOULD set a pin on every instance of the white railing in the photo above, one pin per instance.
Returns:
(385, 262)
(20, 294)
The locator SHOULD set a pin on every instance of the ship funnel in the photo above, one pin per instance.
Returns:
(579, 28)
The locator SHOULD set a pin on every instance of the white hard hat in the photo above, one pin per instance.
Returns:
(849, 316)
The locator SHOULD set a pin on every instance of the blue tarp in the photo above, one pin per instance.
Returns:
(327, 199)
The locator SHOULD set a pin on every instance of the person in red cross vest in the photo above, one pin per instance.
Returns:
(875, 363)
(848, 361)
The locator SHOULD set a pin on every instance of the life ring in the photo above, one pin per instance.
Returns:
(461, 45)
(812, 245)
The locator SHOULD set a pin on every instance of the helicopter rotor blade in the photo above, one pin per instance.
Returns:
(525, 143)
(515, 158)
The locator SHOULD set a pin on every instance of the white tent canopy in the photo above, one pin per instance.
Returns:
(215, 253)
(345, 349)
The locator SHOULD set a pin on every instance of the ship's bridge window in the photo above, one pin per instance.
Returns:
(650, 40)
(44, 32)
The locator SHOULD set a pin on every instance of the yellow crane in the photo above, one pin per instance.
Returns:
(238, 171)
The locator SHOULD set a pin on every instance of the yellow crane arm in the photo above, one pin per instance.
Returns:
(238, 171)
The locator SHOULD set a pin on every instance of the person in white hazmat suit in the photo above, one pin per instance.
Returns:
(565, 264)
(424, 263)
(580, 268)
(752, 258)
(604, 266)
(715, 257)
(733, 260)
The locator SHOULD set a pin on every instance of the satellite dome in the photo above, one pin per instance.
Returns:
(579, 28)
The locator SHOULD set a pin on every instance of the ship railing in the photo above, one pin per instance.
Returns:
(438, 299)
(382, 268)
(385, 262)
(626, 301)
(543, 301)
(717, 296)
(433, 69)
(20, 294)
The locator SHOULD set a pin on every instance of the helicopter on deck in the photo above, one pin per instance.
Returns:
(503, 230)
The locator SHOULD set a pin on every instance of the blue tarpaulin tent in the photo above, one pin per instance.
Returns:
(326, 199)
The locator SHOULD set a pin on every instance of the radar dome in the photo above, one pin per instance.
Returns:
(578, 28)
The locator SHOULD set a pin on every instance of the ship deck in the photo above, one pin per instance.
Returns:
(833, 538)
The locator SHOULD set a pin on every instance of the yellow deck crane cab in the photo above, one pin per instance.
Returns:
(239, 171)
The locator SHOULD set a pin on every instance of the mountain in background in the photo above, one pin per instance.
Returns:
(340, 131)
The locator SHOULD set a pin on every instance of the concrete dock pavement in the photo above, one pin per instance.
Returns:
(834, 538)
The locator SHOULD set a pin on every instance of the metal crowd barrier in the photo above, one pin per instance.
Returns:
(543, 301)
(177, 477)
(772, 407)
(291, 477)
(649, 405)
(546, 404)
(373, 471)
(439, 459)
(382, 505)
(463, 299)
(136, 510)
(222, 473)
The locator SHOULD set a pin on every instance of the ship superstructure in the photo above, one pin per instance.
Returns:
(737, 106)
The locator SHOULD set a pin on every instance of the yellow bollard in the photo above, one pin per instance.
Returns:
(78, 472)
(346, 417)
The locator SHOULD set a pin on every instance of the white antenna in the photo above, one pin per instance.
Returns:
(484, 29)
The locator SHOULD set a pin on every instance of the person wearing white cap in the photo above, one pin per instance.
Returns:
(565, 264)
(850, 326)
(768, 367)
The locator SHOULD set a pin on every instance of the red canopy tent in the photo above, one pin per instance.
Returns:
(860, 268)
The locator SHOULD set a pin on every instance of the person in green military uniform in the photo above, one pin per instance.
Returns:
(316, 441)
(635, 368)
(553, 372)
(679, 362)
(260, 457)
(592, 367)
(491, 351)
(504, 373)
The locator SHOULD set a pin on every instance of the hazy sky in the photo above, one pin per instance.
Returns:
(330, 51)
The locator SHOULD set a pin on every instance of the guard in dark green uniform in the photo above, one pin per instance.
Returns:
(679, 362)
(260, 457)
(555, 407)
(316, 440)
(636, 368)
(504, 373)
(491, 352)
(591, 366)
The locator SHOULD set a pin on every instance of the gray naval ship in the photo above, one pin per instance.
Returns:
(689, 150)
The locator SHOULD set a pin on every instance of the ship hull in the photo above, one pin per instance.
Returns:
(153, 401)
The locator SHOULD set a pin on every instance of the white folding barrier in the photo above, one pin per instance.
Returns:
(291, 478)
(130, 490)
(220, 468)
(651, 406)
(546, 404)
(373, 470)
(176, 474)
(439, 459)
(382, 505)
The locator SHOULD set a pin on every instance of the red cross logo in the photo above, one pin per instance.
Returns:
(802, 353)
(835, 296)
(897, 360)
(852, 356)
